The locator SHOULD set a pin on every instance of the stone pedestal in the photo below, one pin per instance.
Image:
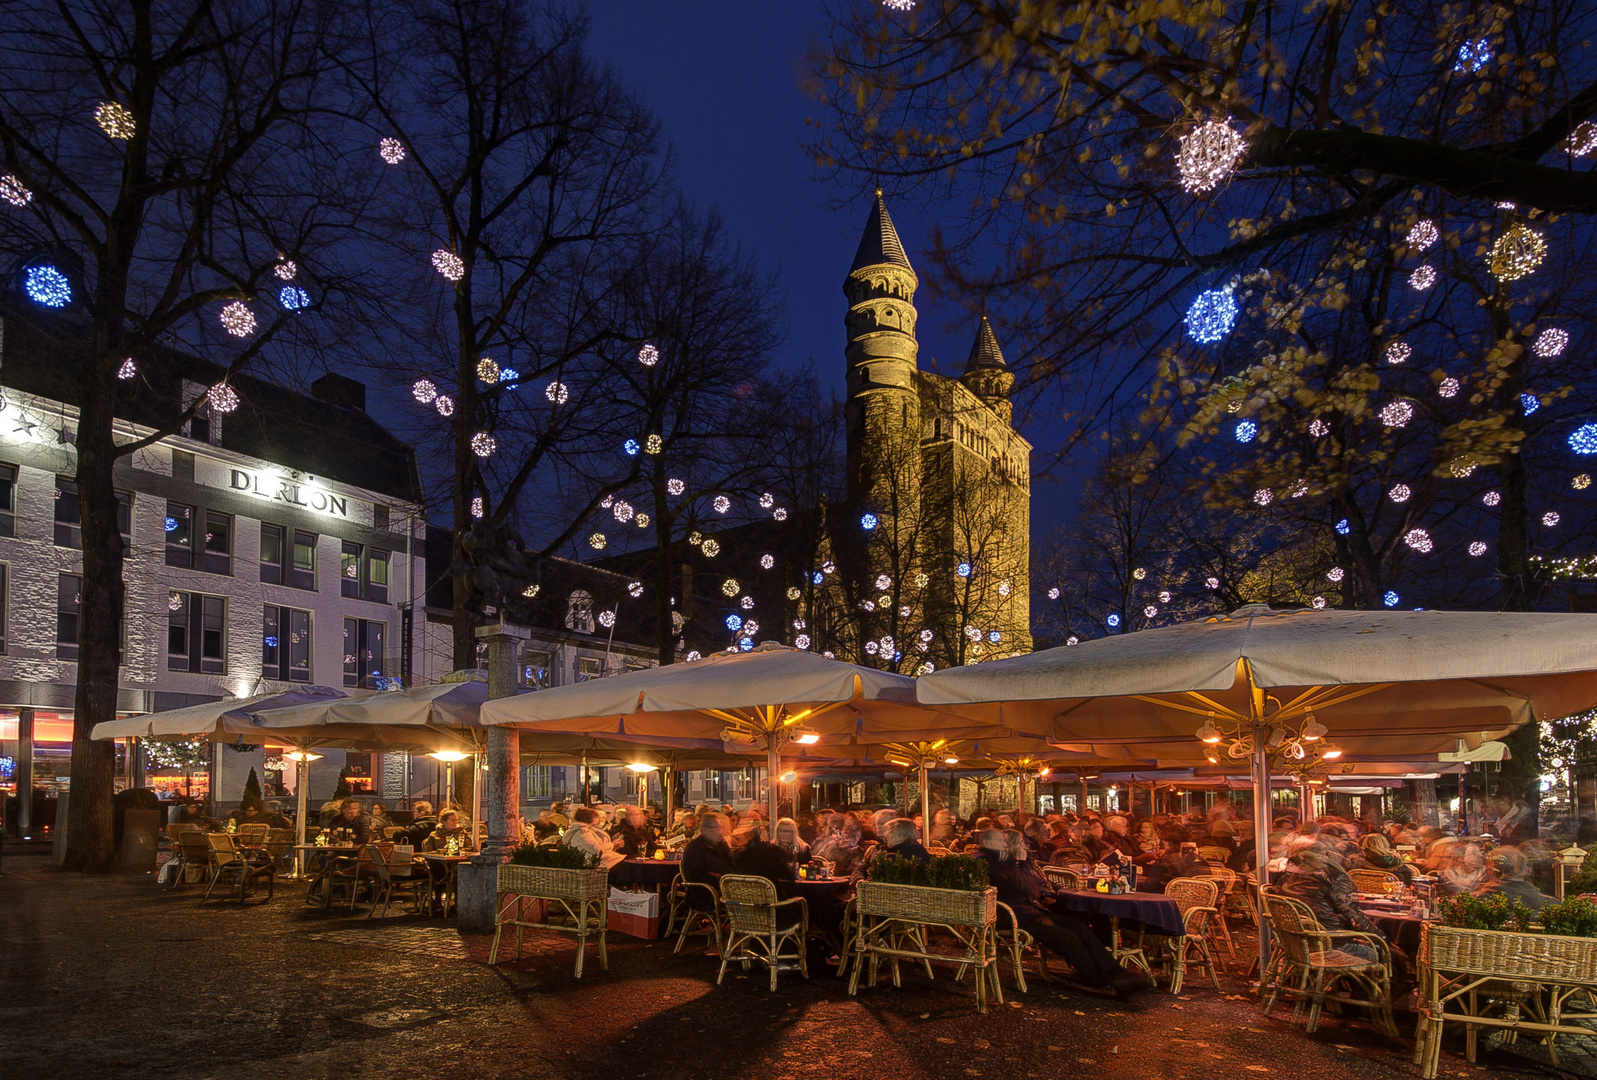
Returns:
(477, 881)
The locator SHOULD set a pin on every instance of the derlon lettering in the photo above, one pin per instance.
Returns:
(277, 489)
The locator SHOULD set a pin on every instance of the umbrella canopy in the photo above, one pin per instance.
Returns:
(223, 721)
(441, 716)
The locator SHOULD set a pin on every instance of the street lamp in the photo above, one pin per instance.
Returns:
(449, 757)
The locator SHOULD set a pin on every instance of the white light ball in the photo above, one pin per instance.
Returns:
(483, 444)
(391, 150)
(425, 391)
(1400, 493)
(449, 264)
(1208, 155)
(237, 319)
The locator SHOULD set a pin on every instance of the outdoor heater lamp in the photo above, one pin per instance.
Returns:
(302, 755)
(642, 766)
(448, 755)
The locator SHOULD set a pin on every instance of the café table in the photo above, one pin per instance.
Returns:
(318, 875)
(1396, 925)
(825, 898)
(658, 872)
(444, 888)
(1154, 911)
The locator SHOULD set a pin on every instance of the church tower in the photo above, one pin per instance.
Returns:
(987, 375)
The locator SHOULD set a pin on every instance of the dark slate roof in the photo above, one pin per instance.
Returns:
(984, 351)
(880, 246)
(43, 355)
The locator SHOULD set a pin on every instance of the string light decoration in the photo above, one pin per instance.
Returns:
(487, 370)
(1398, 352)
(1140, 573)
(643, 521)
(14, 191)
(1529, 403)
(653, 445)
(622, 512)
(1422, 234)
(922, 579)
(631, 447)
(1343, 528)
(721, 504)
(780, 514)
(1551, 518)
(1211, 316)
(1072, 640)
(48, 286)
(1505, 206)
(293, 298)
(1318, 603)
(448, 264)
(174, 602)
(285, 270)
(1263, 497)
(635, 589)
(598, 541)
(1053, 594)
(1150, 611)
(483, 444)
(127, 370)
(391, 150)
(734, 622)
(1462, 466)
(607, 619)
(425, 391)
(883, 582)
(730, 587)
(1581, 482)
(1583, 440)
(1318, 428)
(1419, 540)
(693, 654)
(1208, 155)
(868, 522)
(557, 393)
(1448, 387)
(1491, 498)
(711, 548)
(1423, 277)
(648, 356)
(1299, 488)
(115, 119)
(767, 562)
(1391, 599)
(1335, 574)
(1473, 55)
(963, 569)
(1583, 140)
(1005, 588)
(1400, 493)
(1112, 620)
(1550, 342)
(508, 375)
(476, 506)
(793, 592)
(802, 641)
(1517, 252)
(223, 398)
(1477, 549)
(1396, 414)
(444, 404)
(767, 501)
(1245, 431)
(746, 603)
(674, 486)
(899, 5)
(237, 319)
(903, 611)
(1211, 583)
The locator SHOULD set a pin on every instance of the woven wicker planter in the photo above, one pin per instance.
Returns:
(917, 903)
(1531, 957)
(554, 884)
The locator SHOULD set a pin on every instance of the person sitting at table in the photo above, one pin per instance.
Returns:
(1375, 853)
(1035, 832)
(1030, 894)
(1071, 849)
(634, 837)
(706, 857)
(1505, 867)
(593, 842)
(1329, 893)
(275, 818)
(422, 823)
(1095, 842)
(1117, 834)
(586, 815)
(761, 857)
(350, 826)
(944, 825)
(450, 827)
(901, 838)
(844, 847)
(789, 838)
(378, 819)
(1178, 862)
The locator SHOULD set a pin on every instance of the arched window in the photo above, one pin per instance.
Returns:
(579, 612)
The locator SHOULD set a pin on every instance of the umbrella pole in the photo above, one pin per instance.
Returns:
(1261, 836)
(772, 778)
(585, 778)
(300, 798)
(668, 795)
(925, 807)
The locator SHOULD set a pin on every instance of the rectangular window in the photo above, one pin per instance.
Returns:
(379, 516)
(365, 664)
(536, 782)
(196, 633)
(286, 644)
(5, 604)
(272, 553)
(349, 570)
(179, 526)
(537, 669)
(589, 667)
(8, 500)
(218, 543)
(377, 576)
(304, 561)
(69, 515)
(68, 605)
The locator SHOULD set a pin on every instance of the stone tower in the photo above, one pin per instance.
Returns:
(987, 375)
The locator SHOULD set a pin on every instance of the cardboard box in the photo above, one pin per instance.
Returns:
(636, 914)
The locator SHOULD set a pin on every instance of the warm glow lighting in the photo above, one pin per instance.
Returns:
(448, 755)
(302, 755)
(1329, 752)
(1209, 733)
(789, 777)
(641, 766)
(809, 738)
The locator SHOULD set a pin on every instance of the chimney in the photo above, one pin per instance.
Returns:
(340, 390)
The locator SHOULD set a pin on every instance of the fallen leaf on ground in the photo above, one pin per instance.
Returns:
(1256, 1068)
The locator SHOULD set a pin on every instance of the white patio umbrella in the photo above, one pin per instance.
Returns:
(762, 698)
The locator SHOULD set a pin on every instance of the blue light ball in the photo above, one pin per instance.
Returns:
(963, 569)
(1391, 599)
(1583, 440)
(1343, 527)
(1245, 431)
(170, 524)
(48, 286)
(631, 447)
(734, 622)
(1530, 403)
(868, 522)
(1211, 316)
(271, 641)
(817, 577)
(293, 298)
(1113, 620)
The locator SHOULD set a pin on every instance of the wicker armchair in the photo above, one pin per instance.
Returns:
(696, 920)
(1226, 882)
(1307, 964)
(1196, 897)
(254, 833)
(1214, 855)
(756, 928)
(238, 867)
(1126, 955)
(1062, 876)
(1375, 881)
(194, 850)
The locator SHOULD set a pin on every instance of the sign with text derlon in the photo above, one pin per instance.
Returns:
(290, 490)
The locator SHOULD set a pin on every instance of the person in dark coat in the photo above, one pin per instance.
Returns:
(635, 838)
(422, 823)
(705, 858)
(1506, 877)
(901, 838)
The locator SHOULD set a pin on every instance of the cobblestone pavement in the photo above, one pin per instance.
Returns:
(108, 977)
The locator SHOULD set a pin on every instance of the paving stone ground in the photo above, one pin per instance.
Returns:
(110, 977)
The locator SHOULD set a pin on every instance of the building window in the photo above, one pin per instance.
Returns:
(179, 526)
(68, 514)
(589, 667)
(286, 644)
(271, 553)
(349, 570)
(304, 576)
(537, 670)
(5, 604)
(218, 543)
(68, 605)
(8, 500)
(379, 516)
(205, 426)
(365, 664)
(579, 612)
(536, 782)
(196, 633)
(377, 576)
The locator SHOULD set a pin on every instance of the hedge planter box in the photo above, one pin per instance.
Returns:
(891, 925)
(917, 903)
(528, 895)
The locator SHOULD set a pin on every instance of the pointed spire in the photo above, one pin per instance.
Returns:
(880, 245)
(984, 352)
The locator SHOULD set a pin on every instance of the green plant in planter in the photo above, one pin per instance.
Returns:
(1468, 912)
(1574, 917)
(557, 858)
(963, 872)
(1586, 880)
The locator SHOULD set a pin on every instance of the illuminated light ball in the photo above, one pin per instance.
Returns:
(1263, 497)
(1164, 597)
(1583, 140)
(13, 192)
(828, 567)
(425, 391)
(816, 578)
(1335, 574)
(631, 447)
(1529, 403)
(1072, 640)
(127, 370)
(1245, 431)
(1550, 342)
(557, 393)
(1318, 603)
(734, 622)
(270, 641)
(751, 627)
(597, 541)
(1583, 440)
(622, 512)
(926, 635)
(483, 444)
(802, 641)
(994, 636)
(1462, 466)
(693, 655)
(1423, 277)
(1209, 154)
(1400, 493)
(1551, 518)
(1234, 406)
(767, 501)
(1581, 482)
(237, 319)
(653, 444)
(648, 356)
(1112, 620)
(868, 605)
(444, 404)
(721, 504)
(1472, 56)
(487, 370)
(643, 521)
(793, 592)
(1299, 488)
(48, 286)
(285, 270)
(730, 587)
(1140, 573)
(1491, 498)
(1477, 549)
(293, 298)
(746, 603)
(767, 562)
(1212, 583)
(223, 398)
(1211, 316)
(1319, 429)
(391, 150)
(922, 579)
(886, 644)
(1004, 588)
(530, 591)
(1396, 414)
(1517, 252)
(1053, 594)
(1419, 540)
(1398, 352)
(476, 506)
(963, 569)
(508, 375)
(899, 5)
(674, 486)
(711, 548)
(115, 119)
(780, 513)
(871, 647)
(1343, 528)
(1150, 611)
(448, 264)
(635, 589)
(170, 524)
(1422, 234)
(883, 582)
(868, 522)
(174, 602)
(1391, 599)
(1505, 206)
(1448, 387)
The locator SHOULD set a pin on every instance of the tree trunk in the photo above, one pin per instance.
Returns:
(1423, 802)
(664, 585)
(464, 618)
